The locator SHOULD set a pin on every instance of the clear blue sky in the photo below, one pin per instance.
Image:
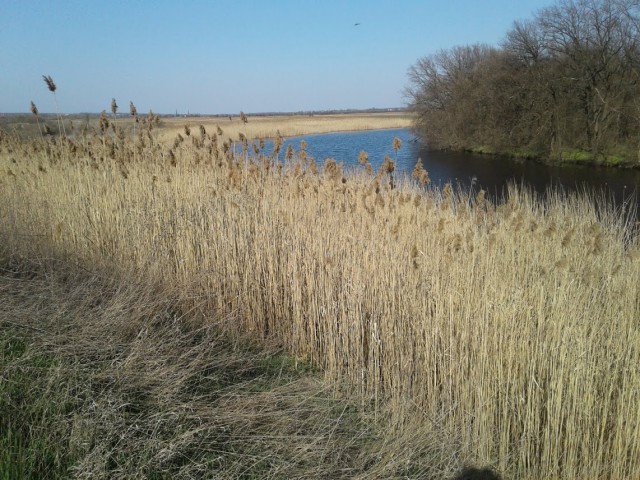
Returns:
(231, 55)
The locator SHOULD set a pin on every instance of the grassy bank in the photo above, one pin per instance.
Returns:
(104, 377)
(510, 331)
(622, 159)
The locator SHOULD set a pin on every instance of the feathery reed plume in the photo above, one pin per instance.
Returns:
(332, 169)
(52, 88)
(388, 166)
(289, 153)
(114, 110)
(152, 119)
(363, 158)
(245, 144)
(277, 144)
(104, 122)
(397, 145)
(420, 174)
(50, 83)
(243, 117)
(34, 111)
(313, 167)
(133, 111)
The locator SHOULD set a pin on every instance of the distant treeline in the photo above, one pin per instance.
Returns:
(562, 86)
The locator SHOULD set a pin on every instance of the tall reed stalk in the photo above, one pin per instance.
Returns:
(34, 111)
(52, 88)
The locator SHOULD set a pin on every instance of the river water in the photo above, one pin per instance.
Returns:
(466, 170)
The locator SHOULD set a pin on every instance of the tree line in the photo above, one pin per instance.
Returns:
(562, 84)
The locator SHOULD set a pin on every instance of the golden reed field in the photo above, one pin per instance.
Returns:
(501, 334)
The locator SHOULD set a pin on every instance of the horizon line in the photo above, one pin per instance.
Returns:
(255, 114)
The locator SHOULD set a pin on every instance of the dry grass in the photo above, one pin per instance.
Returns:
(512, 331)
(103, 377)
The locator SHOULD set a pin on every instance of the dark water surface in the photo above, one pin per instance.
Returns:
(469, 170)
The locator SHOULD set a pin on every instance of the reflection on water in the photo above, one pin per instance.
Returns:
(468, 170)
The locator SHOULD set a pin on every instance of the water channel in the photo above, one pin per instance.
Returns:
(468, 170)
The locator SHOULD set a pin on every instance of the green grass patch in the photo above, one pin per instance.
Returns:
(286, 366)
(484, 150)
(33, 398)
(576, 156)
(618, 160)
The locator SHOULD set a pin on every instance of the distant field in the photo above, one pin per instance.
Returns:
(288, 126)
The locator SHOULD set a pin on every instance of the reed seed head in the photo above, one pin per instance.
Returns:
(289, 153)
(132, 109)
(278, 142)
(104, 122)
(34, 109)
(388, 166)
(114, 106)
(50, 84)
(332, 169)
(397, 144)
(420, 174)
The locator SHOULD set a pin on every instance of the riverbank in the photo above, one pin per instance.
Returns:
(566, 157)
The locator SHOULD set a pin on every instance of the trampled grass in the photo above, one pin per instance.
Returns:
(103, 377)
(511, 330)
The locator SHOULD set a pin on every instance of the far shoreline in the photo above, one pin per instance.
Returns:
(265, 127)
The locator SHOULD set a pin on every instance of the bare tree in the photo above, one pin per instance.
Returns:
(566, 79)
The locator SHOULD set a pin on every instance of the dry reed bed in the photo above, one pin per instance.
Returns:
(513, 329)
